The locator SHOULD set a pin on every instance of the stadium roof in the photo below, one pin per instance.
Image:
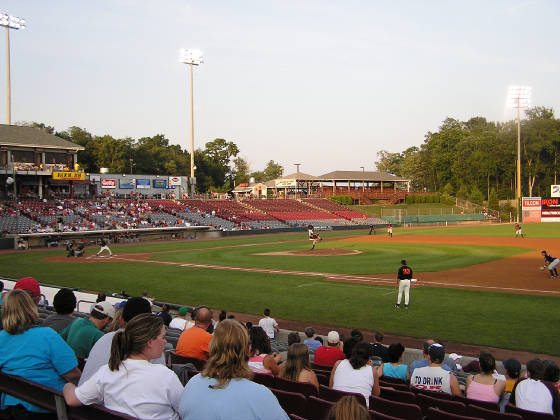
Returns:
(359, 176)
(15, 135)
(300, 176)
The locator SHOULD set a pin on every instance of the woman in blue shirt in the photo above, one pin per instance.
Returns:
(394, 368)
(31, 352)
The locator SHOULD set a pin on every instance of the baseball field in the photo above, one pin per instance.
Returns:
(476, 284)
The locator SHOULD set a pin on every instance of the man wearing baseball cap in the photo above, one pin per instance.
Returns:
(328, 355)
(83, 333)
(433, 377)
(31, 286)
(99, 354)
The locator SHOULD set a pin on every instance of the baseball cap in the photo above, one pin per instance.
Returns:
(455, 356)
(182, 311)
(104, 308)
(333, 337)
(135, 306)
(436, 351)
(513, 367)
(30, 285)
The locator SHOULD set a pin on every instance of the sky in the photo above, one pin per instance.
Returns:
(326, 84)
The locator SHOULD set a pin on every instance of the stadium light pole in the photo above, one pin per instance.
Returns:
(519, 97)
(192, 58)
(9, 22)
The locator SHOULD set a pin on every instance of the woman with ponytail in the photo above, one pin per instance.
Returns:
(129, 383)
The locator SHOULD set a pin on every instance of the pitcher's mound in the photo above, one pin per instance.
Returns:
(317, 252)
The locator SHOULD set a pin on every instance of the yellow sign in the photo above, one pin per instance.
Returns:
(71, 176)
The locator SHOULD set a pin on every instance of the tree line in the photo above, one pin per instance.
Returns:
(477, 159)
(218, 166)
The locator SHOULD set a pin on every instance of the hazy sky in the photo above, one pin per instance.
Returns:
(323, 83)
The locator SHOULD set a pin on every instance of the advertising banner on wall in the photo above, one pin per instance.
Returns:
(70, 176)
(531, 208)
(160, 183)
(550, 209)
(142, 183)
(127, 184)
(285, 183)
(175, 181)
(108, 183)
(555, 190)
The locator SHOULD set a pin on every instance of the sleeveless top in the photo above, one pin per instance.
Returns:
(398, 371)
(256, 364)
(348, 379)
(482, 392)
(431, 379)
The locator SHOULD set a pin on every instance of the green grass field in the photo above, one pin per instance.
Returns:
(511, 321)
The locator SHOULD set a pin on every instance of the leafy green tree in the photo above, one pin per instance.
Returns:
(463, 192)
(493, 202)
(272, 171)
(476, 196)
(448, 189)
(241, 170)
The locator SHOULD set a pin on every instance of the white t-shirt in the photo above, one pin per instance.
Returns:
(268, 324)
(534, 396)
(348, 379)
(139, 389)
(432, 378)
(178, 323)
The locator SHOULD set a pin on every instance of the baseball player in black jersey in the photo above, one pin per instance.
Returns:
(404, 278)
(550, 262)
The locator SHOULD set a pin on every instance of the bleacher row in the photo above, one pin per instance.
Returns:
(78, 215)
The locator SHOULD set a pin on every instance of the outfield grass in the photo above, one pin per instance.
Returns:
(536, 230)
(484, 318)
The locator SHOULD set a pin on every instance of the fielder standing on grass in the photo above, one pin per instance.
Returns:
(404, 278)
(550, 263)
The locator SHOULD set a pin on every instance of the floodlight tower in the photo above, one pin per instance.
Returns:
(10, 22)
(192, 58)
(519, 97)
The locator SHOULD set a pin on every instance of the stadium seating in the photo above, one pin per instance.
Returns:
(484, 413)
(334, 395)
(291, 402)
(426, 402)
(527, 414)
(437, 414)
(395, 408)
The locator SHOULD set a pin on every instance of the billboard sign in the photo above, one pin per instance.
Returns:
(285, 183)
(126, 184)
(142, 183)
(175, 181)
(550, 209)
(108, 183)
(555, 190)
(70, 176)
(160, 183)
(531, 208)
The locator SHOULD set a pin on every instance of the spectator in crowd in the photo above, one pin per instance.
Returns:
(224, 389)
(348, 346)
(319, 339)
(433, 377)
(268, 324)
(357, 374)
(484, 386)
(425, 361)
(99, 354)
(261, 359)
(129, 383)
(512, 371)
(377, 347)
(180, 321)
(35, 353)
(248, 325)
(194, 341)
(394, 368)
(329, 354)
(293, 337)
(357, 335)
(311, 343)
(348, 408)
(31, 286)
(1, 291)
(222, 316)
(533, 394)
(83, 333)
(164, 314)
(552, 373)
(297, 366)
(64, 304)
(101, 297)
